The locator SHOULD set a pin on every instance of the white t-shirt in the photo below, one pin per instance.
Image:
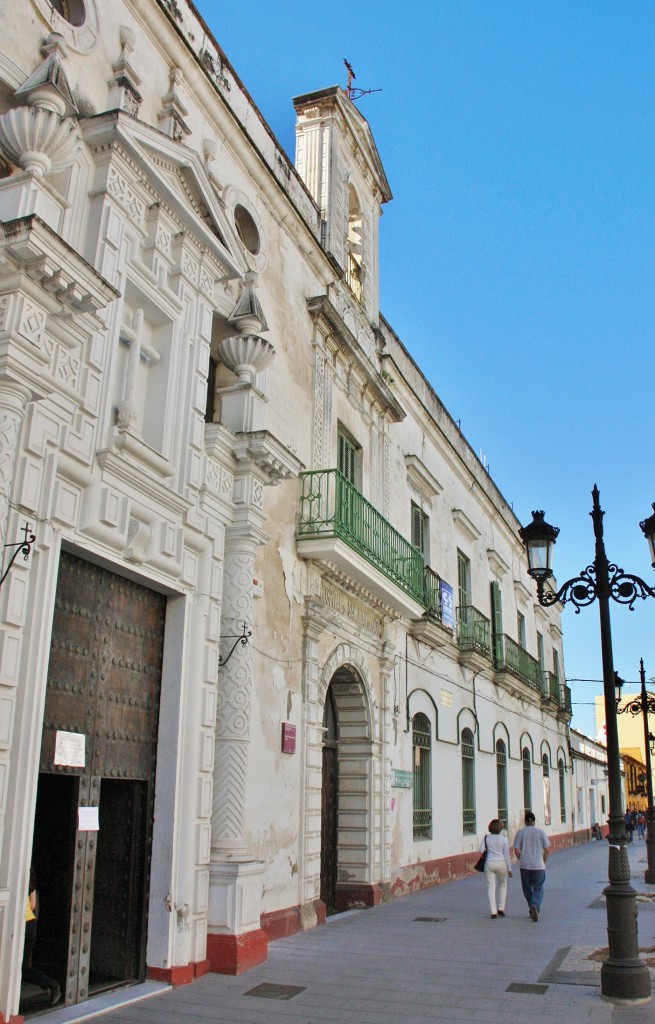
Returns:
(497, 848)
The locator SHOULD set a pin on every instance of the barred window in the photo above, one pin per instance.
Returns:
(422, 788)
(501, 780)
(527, 780)
(468, 782)
(562, 791)
(546, 770)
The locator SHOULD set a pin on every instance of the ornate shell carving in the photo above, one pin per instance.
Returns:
(246, 355)
(38, 140)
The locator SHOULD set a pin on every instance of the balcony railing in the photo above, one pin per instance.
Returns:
(432, 593)
(330, 506)
(566, 699)
(354, 277)
(473, 630)
(553, 690)
(511, 656)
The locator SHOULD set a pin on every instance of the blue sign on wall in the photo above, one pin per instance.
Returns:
(447, 610)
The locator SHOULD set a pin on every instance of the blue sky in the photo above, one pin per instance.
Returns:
(518, 253)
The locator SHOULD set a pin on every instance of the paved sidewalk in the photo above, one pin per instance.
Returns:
(435, 956)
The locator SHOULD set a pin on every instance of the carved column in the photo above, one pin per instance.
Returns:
(235, 941)
(234, 701)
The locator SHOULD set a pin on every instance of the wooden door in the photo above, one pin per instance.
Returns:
(103, 684)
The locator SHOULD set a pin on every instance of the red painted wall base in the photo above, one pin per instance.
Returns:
(17, 1018)
(175, 976)
(235, 954)
(360, 896)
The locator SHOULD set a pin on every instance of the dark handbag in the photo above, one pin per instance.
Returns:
(480, 862)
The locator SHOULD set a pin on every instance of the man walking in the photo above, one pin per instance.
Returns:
(531, 849)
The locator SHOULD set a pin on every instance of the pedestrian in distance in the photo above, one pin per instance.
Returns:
(628, 825)
(531, 848)
(497, 867)
(641, 821)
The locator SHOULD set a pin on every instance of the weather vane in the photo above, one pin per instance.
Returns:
(352, 92)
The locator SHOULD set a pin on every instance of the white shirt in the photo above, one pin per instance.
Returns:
(497, 848)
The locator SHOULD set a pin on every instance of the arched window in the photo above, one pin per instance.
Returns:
(527, 780)
(422, 790)
(546, 770)
(501, 780)
(468, 781)
(562, 790)
(354, 245)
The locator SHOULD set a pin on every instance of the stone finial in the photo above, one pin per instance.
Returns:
(171, 116)
(42, 136)
(248, 315)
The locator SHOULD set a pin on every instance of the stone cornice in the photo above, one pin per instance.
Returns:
(40, 252)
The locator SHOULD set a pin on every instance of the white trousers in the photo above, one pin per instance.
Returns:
(496, 875)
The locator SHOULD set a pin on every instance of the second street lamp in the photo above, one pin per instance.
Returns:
(643, 705)
(623, 977)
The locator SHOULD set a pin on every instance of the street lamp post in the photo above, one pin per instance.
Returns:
(643, 705)
(623, 977)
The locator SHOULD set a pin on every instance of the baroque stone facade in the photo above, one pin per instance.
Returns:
(198, 395)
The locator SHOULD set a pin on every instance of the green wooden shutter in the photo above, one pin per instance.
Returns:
(497, 622)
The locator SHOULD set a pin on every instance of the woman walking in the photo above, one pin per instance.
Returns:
(497, 867)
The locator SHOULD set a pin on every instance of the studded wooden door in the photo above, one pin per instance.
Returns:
(103, 683)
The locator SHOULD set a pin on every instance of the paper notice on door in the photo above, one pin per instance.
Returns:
(70, 749)
(87, 819)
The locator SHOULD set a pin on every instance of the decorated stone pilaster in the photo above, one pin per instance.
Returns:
(13, 400)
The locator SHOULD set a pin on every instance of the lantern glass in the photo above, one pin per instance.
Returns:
(539, 538)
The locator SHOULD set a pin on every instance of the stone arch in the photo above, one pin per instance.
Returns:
(501, 732)
(347, 677)
(468, 719)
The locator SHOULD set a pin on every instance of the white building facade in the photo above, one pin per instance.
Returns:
(273, 652)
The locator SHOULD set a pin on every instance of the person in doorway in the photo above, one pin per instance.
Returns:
(531, 848)
(497, 867)
(30, 973)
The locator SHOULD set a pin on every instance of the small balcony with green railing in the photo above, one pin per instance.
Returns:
(509, 656)
(333, 513)
(473, 630)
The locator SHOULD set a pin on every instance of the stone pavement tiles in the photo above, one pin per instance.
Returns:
(434, 956)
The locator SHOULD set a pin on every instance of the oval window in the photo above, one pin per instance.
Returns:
(246, 229)
(71, 11)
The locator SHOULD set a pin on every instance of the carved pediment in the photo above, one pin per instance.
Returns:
(179, 175)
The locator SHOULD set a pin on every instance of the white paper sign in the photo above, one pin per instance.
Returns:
(70, 749)
(87, 819)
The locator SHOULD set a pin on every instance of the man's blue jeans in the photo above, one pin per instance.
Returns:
(533, 886)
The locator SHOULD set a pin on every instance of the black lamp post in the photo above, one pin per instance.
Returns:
(642, 705)
(624, 977)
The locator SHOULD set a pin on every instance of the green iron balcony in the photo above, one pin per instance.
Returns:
(510, 656)
(553, 689)
(473, 630)
(332, 509)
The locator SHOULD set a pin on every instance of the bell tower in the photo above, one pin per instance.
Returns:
(338, 160)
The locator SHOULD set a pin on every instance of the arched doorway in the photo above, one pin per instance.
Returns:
(346, 799)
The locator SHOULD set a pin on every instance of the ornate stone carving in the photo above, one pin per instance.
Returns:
(246, 355)
(42, 136)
